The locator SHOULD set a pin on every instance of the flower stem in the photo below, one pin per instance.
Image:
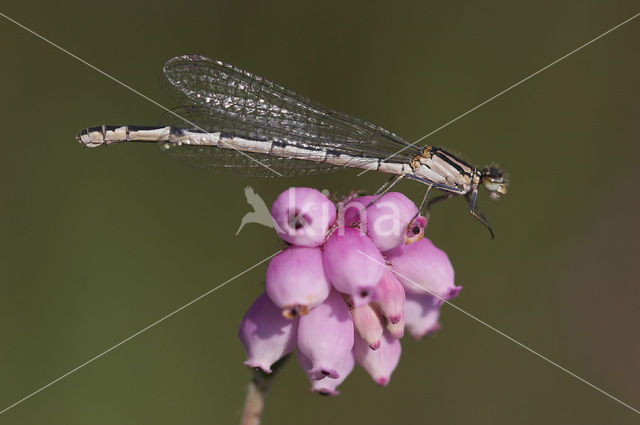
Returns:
(257, 393)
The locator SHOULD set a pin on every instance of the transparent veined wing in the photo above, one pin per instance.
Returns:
(230, 161)
(250, 106)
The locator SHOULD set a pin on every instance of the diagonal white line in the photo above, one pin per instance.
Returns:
(129, 338)
(127, 86)
(510, 87)
(503, 334)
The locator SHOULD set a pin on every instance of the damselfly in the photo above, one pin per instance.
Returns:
(240, 123)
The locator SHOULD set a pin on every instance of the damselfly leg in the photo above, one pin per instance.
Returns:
(436, 200)
(422, 204)
(391, 181)
(424, 201)
(385, 188)
(476, 212)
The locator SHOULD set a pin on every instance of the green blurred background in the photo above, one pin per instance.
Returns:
(97, 244)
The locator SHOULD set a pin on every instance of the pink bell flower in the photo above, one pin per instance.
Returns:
(421, 314)
(368, 324)
(424, 269)
(390, 296)
(380, 363)
(349, 266)
(325, 336)
(327, 385)
(296, 281)
(265, 335)
(302, 216)
(390, 222)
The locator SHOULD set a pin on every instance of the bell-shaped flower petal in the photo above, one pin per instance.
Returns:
(390, 296)
(327, 385)
(266, 335)
(424, 269)
(353, 264)
(302, 216)
(389, 221)
(296, 280)
(380, 363)
(368, 324)
(421, 314)
(396, 330)
(325, 336)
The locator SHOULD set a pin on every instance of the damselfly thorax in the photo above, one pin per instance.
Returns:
(240, 123)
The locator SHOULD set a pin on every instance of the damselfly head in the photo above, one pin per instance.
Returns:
(494, 181)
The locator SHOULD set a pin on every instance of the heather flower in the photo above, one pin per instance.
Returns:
(302, 216)
(296, 280)
(328, 385)
(325, 336)
(266, 335)
(347, 261)
(424, 269)
(368, 324)
(421, 314)
(390, 296)
(345, 288)
(390, 222)
(379, 363)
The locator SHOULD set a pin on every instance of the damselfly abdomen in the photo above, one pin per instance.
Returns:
(241, 123)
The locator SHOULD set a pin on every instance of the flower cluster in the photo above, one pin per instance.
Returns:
(352, 278)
